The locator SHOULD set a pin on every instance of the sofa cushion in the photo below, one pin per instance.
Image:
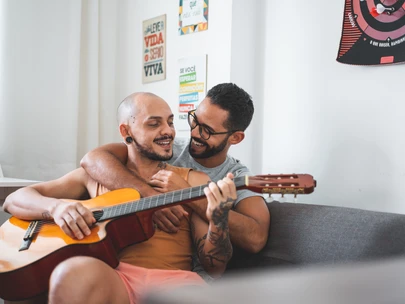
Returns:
(302, 234)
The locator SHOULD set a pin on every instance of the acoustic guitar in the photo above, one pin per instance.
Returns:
(30, 250)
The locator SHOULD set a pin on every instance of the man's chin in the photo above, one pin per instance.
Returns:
(161, 157)
(200, 155)
(167, 157)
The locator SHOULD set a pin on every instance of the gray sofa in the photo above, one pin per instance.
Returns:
(314, 254)
(303, 234)
(310, 248)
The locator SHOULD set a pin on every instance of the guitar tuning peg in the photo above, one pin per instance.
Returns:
(269, 199)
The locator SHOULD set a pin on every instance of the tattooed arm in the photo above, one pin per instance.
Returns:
(212, 242)
(44, 201)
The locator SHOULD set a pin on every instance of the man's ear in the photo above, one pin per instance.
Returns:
(236, 137)
(124, 130)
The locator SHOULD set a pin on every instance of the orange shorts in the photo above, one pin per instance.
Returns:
(139, 280)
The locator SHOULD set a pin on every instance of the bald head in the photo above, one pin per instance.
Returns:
(130, 106)
(146, 126)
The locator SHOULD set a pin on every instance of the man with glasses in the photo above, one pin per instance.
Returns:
(218, 123)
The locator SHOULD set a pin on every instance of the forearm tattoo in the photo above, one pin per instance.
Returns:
(222, 247)
(220, 215)
(46, 215)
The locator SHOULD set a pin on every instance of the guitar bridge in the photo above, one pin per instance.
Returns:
(29, 235)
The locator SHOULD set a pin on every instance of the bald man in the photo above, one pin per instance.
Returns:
(146, 126)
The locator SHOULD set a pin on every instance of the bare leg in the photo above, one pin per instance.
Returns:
(86, 280)
(42, 299)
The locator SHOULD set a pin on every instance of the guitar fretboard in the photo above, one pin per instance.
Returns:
(168, 198)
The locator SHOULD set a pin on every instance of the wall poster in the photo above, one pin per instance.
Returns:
(154, 49)
(192, 86)
(193, 16)
(373, 32)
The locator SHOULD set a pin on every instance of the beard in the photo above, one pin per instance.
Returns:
(209, 151)
(150, 154)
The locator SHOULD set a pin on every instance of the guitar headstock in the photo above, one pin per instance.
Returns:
(281, 183)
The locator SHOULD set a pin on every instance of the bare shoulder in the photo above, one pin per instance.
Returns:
(78, 175)
(196, 178)
(118, 148)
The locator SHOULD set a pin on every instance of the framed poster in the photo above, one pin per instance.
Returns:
(154, 49)
(373, 32)
(192, 86)
(193, 16)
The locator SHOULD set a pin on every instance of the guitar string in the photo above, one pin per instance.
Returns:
(127, 208)
(177, 196)
(119, 210)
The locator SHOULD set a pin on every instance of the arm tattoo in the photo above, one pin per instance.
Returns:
(220, 215)
(46, 215)
(222, 250)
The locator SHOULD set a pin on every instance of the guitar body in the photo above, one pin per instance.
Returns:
(25, 274)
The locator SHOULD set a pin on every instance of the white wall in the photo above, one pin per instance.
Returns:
(343, 124)
(215, 42)
(246, 60)
(67, 65)
(37, 95)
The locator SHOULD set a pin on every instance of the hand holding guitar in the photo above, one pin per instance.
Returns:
(221, 197)
(73, 218)
(168, 219)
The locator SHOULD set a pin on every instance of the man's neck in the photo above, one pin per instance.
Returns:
(144, 167)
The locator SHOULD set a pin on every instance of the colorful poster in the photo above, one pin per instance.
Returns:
(192, 86)
(193, 16)
(154, 49)
(373, 32)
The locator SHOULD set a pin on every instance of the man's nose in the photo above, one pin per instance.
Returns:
(195, 132)
(168, 129)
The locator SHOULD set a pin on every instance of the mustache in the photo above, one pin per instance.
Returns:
(166, 137)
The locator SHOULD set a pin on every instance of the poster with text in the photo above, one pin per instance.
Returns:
(373, 32)
(193, 16)
(154, 49)
(192, 86)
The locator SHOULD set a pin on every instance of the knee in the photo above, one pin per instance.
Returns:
(72, 274)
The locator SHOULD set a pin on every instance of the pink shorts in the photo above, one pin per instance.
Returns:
(139, 280)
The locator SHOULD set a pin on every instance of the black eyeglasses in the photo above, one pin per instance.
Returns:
(204, 131)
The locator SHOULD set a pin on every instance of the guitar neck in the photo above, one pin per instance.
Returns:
(157, 201)
(269, 183)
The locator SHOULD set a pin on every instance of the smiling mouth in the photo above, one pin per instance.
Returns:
(197, 144)
(164, 142)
